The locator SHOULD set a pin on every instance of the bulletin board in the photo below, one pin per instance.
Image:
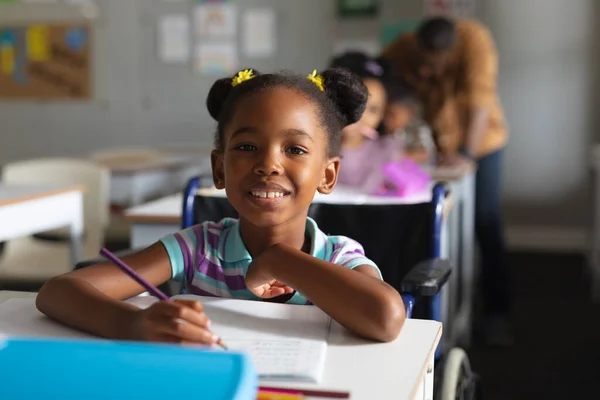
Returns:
(46, 61)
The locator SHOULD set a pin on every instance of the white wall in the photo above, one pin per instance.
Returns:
(548, 84)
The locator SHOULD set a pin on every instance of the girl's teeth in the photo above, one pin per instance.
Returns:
(265, 195)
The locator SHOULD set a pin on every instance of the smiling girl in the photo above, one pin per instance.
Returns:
(277, 144)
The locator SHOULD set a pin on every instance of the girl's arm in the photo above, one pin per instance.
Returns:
(90, 299)
(356, 298)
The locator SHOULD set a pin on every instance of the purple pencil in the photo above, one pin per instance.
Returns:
(145, 284)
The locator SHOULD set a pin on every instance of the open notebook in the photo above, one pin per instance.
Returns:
(284, 342)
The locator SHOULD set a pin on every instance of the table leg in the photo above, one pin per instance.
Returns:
(76, 230)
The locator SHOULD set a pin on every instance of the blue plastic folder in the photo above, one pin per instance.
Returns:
(62, 369)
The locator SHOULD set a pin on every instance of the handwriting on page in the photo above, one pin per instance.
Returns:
(289, 359)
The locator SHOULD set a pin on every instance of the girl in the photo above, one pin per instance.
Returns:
(364, 152)
(277, 144)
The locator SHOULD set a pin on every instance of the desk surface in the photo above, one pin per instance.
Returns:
(368, 370)
(12, 194)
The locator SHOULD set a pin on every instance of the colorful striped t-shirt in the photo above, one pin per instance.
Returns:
(210, 259)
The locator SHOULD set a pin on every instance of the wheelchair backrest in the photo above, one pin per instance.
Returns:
(396, 237)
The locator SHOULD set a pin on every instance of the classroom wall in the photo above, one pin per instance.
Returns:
(548, 82)
(139, 100)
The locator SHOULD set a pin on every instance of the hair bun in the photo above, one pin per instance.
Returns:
(347, 91)
(220, 91)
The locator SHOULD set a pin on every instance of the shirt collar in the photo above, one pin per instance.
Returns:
(231, 247)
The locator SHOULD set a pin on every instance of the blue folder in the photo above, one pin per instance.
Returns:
(66, 369)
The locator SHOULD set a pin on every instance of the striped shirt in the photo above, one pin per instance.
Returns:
(211, 259)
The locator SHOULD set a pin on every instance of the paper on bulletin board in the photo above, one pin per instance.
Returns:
(218, 59)
(215, 21)
(174, 39)
(38, 43)
(259, 32)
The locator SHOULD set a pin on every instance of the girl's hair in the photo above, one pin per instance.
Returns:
(341, 102)
(363, 66)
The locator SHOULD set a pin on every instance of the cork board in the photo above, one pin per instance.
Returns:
(46, 61)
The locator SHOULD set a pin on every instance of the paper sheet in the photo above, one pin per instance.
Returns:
(259, 36)
(174, 38)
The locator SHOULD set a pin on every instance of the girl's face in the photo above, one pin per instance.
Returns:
(375, 109)
(274, 158)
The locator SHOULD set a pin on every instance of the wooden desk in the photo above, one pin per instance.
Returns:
(402, 369)
(27, 209)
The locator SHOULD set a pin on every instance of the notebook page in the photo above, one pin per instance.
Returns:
(284, 341)
(284, 359)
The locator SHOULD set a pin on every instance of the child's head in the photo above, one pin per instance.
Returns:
(401, 107)
(278, 139)
(373, 73)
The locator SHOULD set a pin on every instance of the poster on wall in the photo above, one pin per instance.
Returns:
(215, 21)
(216, 59)
(259, 32)
(358, 8)
(174, 39)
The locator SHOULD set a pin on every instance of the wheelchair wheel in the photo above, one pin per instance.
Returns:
(458, 381)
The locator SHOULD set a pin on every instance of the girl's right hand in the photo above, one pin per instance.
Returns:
(178, 321)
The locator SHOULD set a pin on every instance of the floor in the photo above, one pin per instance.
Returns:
(557, 350)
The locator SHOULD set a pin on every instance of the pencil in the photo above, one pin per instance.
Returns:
(308, 392)
(268, 395)
(145, 284)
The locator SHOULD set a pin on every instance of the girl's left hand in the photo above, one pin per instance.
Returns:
(261, 282)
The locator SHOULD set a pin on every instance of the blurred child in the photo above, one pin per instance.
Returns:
(401, 120)
(364, 152)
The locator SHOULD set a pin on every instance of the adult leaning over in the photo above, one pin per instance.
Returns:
(453, 65)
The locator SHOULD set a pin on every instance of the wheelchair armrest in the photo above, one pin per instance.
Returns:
(426, 278)
(93, 261)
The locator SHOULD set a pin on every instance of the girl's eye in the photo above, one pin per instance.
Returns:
(296, 151)
(246, 147)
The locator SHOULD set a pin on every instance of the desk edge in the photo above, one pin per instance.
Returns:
(47, 193)
(434, 345)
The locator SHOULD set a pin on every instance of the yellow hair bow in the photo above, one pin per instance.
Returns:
(242, 76)
(317, 80)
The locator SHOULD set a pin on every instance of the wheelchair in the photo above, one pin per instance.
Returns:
(404, 240)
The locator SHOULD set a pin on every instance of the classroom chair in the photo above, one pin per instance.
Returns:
(33, 260)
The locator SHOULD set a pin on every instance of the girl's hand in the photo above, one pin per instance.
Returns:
(178, 321)
(261, 282)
